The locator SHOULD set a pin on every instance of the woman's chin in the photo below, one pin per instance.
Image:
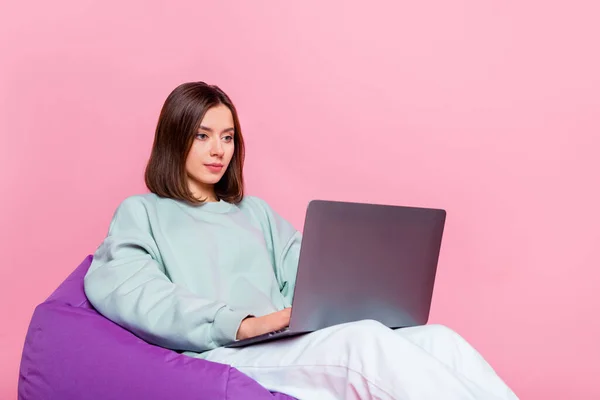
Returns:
(205, 181)
(212, 182)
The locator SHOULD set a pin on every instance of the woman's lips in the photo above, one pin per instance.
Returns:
(214, 167)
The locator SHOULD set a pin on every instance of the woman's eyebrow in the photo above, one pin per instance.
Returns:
(206, 128)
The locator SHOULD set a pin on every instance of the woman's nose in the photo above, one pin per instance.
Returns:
(217, 149)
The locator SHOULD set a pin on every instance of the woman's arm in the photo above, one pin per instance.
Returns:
(127, 284)
(287, 266)
(283, 240)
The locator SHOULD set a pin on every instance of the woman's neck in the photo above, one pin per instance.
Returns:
(203, 192)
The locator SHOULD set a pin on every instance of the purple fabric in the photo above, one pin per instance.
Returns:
(73, 353)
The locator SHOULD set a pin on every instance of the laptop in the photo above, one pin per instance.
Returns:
(363, 261)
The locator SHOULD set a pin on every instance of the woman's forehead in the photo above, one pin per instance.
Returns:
(218, 117)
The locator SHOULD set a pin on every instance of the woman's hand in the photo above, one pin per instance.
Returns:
(255, 326)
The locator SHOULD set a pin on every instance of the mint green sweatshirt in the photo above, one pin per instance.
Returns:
(183, 277)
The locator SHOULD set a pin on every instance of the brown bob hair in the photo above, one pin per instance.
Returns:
(177, 127)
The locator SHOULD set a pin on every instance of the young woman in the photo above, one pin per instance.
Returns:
(195, 264)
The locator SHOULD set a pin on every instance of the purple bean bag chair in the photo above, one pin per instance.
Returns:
(73, 353)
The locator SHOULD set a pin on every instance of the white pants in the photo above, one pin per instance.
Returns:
(367, 360)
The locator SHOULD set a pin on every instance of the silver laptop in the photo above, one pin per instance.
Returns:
(363, 261)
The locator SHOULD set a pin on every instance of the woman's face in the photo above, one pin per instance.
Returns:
(211, 152)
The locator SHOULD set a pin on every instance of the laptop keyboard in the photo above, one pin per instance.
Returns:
(278, 332)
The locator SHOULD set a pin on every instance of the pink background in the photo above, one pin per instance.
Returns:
(488, 109)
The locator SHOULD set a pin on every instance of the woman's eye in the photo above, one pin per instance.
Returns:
(202, 136)
(228, 138)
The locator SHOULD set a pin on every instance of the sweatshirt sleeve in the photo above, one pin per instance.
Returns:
(127, 283)
(284, 241)
(287, 267)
